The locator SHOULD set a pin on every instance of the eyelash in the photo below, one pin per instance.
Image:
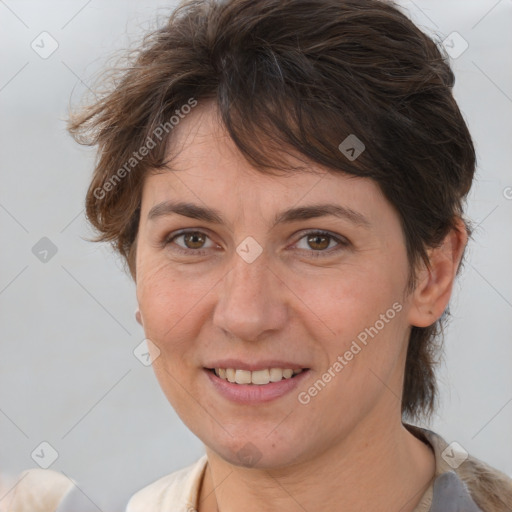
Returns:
(314, 254)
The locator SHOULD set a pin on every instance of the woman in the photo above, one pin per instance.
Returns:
(285, 180)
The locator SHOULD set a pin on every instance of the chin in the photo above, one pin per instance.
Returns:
(258, 452)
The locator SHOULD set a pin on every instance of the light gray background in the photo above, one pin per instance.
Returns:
(68, 375)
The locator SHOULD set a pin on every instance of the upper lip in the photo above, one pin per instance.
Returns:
(237, 364)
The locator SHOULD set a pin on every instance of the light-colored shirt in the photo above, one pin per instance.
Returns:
(35, 490)
(461, 483)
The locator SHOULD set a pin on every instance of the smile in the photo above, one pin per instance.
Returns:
(257, 386)
(257, 377)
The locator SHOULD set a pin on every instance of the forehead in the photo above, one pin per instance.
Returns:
(206, 166)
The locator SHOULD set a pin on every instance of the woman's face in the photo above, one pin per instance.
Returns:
(256, 288)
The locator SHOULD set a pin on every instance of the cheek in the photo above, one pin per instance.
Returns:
(171, 303)
(347, 300)
(359, 314)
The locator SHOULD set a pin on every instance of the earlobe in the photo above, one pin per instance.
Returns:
(138, 317)
(434, 287)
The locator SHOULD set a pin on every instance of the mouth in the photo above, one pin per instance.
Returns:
(257, 377)
(252, 387)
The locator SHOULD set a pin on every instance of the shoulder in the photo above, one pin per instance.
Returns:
(488, 487)
(178, 488)
(38, 490)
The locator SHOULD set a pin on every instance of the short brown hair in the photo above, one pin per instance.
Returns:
(296, 77)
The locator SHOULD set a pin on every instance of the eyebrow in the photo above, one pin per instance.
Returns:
(213, 216)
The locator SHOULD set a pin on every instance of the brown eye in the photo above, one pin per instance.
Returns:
(318, 241)
(188, 242)
(194, 240)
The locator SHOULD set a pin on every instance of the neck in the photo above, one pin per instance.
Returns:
(379, 469)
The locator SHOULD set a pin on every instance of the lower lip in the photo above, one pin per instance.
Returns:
(255, 393)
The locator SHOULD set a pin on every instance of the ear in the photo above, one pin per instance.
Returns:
(138, 317)
(434, 287)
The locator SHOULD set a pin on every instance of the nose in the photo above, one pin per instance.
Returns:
(252, 301)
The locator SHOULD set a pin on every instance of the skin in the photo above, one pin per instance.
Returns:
(347, 448)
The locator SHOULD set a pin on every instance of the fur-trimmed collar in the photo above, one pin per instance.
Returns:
(462, 483)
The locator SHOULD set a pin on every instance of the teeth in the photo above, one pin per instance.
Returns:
(242, 377)
(287, 373)
(258, 377)
(276, 374)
